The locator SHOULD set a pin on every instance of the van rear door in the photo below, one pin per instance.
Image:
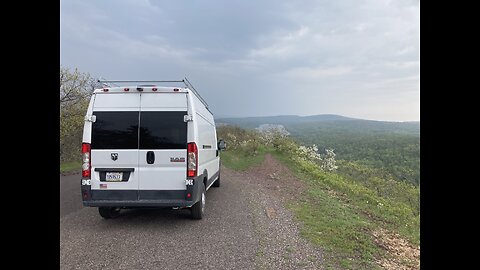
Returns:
(162, 145)
(114, 146)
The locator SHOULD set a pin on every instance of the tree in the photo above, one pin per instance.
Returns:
(75, 91)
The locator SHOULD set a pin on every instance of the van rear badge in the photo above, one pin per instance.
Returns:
(177, 159)
(114, 156)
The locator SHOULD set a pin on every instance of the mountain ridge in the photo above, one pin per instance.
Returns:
(306, 118)
(324, 121)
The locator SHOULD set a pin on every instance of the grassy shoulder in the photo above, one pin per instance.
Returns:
(332, 224)
(241, 160)
(341, 214)
(70, 167)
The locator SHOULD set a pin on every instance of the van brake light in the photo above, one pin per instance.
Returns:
(192, 159)
(86, 161)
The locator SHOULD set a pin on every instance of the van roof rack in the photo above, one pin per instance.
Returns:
(185, 81)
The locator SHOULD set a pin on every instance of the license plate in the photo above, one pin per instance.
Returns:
(114, 176)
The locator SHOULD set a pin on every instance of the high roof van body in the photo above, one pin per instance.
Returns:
(148, 146)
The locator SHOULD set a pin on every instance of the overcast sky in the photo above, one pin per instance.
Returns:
(357, 58)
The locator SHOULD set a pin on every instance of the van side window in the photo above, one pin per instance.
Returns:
(115, 130)
(163, 130)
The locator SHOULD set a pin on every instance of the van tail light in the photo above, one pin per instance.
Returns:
(86, 161)
(192, 159)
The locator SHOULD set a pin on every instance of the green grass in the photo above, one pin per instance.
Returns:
(339, 211)
(241, 160)
(333, 225)
(339, 215)
(339, 230)
(70, 166)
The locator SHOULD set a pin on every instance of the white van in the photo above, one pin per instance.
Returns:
(149, 146)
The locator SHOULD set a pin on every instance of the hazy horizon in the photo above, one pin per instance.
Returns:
(359, 118)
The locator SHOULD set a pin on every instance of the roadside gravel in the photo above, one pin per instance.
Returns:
(246, 226)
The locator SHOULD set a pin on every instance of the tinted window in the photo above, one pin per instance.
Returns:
(163, 130)
(115, 130)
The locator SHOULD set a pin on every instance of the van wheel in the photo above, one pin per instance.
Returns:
(109, 212)
(217, 183)
(198, 209)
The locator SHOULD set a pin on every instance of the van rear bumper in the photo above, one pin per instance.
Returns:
(143, 198)
(138, 203)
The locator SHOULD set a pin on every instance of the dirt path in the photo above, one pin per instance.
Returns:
(245, 227)
(269, 187)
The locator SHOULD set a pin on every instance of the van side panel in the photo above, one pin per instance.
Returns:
(191, 130)
(206, 140)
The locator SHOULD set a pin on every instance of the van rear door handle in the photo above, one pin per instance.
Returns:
(150, 157)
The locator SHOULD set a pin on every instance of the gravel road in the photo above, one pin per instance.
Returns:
(245, 227)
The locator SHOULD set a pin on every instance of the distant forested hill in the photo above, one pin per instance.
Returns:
(392, 147)
(253, 122)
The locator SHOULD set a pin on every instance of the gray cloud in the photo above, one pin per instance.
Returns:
(357, 58)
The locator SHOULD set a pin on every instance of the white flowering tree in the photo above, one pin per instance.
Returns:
(328, 161)
(232, 140)
(269, 133)
(309, 153)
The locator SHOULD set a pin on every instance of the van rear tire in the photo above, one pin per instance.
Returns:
(198, 209)
(109, 212)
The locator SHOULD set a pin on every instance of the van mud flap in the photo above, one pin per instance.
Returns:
(194, 188)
